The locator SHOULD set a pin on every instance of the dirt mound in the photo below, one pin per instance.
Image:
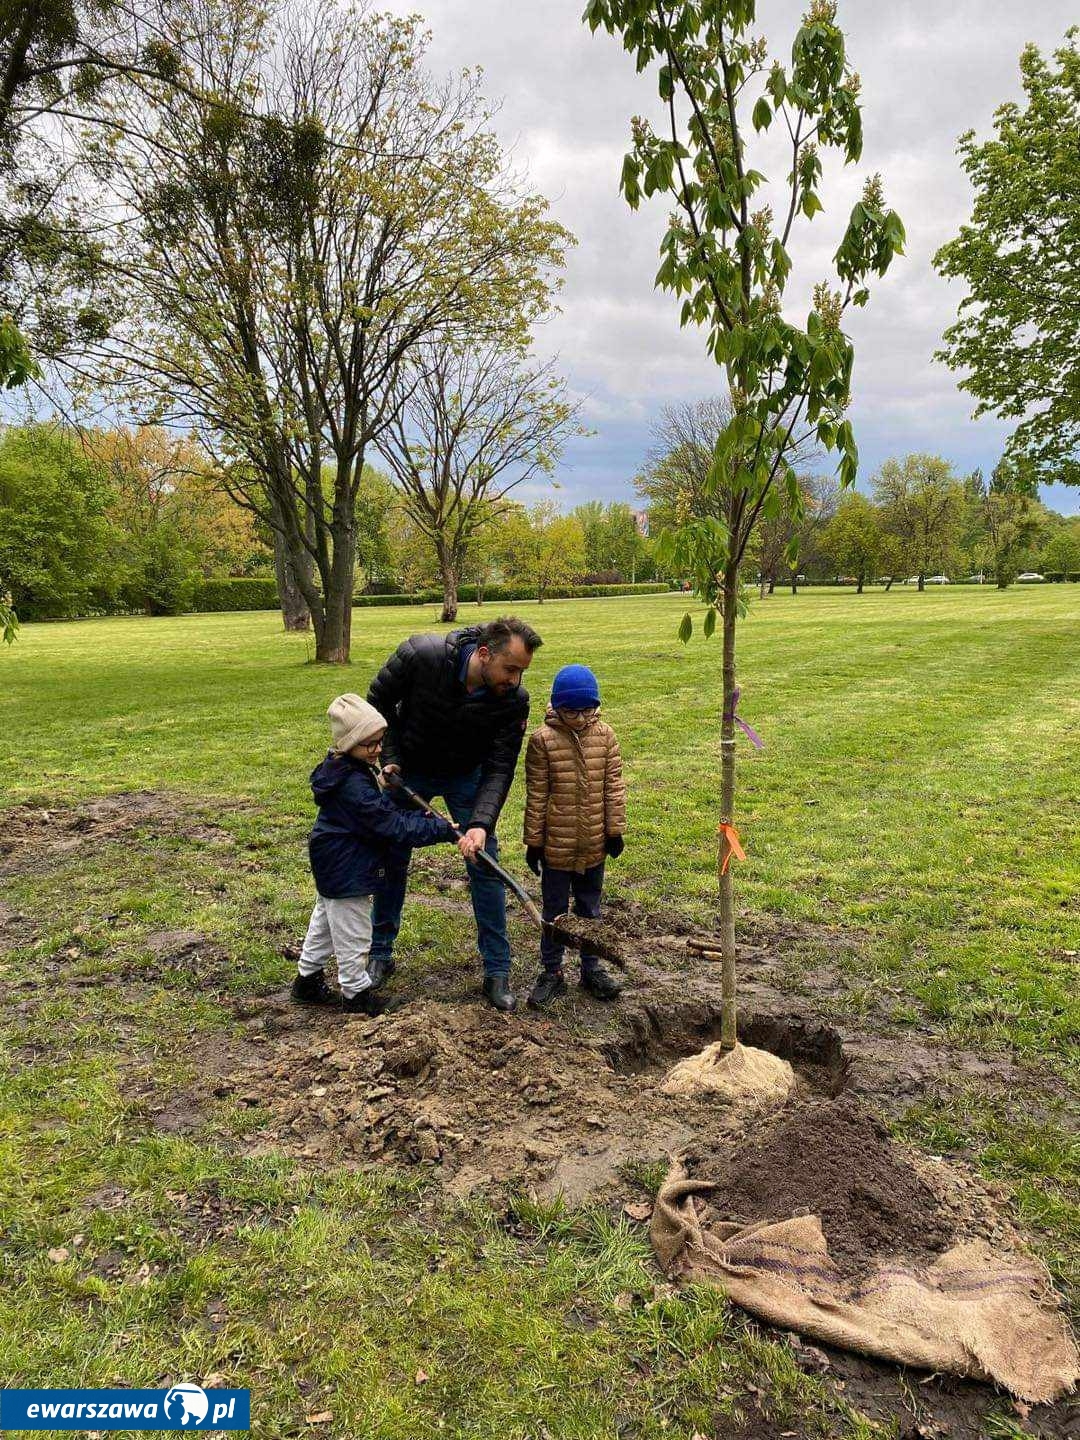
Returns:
(835, 1160)
(32, 834)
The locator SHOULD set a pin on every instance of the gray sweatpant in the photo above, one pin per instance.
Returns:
(341, 928)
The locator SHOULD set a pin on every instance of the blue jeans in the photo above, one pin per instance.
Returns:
(488, 893)
(556, 887)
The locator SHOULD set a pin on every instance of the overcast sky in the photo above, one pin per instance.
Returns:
(929, 72)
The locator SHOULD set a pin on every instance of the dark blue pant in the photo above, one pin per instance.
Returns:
(557, 886)
(488, 894)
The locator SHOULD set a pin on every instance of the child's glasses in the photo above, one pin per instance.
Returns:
(586, 714)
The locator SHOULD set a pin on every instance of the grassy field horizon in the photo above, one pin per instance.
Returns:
(918, 800)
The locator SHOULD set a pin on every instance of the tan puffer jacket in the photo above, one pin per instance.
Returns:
(575, 792)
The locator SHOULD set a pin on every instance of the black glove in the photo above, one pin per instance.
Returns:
(614, 845)
(533, 855)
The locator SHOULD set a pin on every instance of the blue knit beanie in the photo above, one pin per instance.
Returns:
(575, 688)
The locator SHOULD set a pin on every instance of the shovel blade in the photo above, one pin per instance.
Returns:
(590, 935)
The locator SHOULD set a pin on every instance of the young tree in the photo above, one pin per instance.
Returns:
(286, 243)
(1017, 337)
(728, 262)
(470, 422)
(922, 507)
(542, 547)
(852, 539)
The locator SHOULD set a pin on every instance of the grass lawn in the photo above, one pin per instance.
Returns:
(919, 793)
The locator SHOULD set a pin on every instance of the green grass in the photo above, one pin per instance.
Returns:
(918, 792)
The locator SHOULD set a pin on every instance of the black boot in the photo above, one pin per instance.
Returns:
(313, 990)
(365, 1003)
(379, 970)
(600, 983)
(550, 984)
(497, 992)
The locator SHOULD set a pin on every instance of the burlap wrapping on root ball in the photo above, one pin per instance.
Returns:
(969, 1313)
(747, 1078)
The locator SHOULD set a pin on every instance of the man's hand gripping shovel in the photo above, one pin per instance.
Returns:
(570, 930)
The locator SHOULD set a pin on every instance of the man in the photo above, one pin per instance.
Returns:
(456, 713)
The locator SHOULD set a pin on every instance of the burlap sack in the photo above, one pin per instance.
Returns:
(745, 1076)
(969, 1313)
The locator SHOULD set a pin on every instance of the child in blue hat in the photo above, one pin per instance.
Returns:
(575, 816)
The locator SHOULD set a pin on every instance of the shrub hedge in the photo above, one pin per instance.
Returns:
(261, 594)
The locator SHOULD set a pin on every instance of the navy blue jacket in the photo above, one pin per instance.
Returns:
(360, 829)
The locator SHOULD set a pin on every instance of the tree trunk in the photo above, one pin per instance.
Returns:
(448, 574)
(728, 1013)
(794, 583)
(772, 584)
(333, 629)
(922, 582)
(888, 584)
(762, 582)
(862, 577)
(294, 608)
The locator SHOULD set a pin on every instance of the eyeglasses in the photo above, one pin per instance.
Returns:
(584, 714)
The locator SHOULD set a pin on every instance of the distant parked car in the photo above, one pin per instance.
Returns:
(1030, 575)
(938, 580)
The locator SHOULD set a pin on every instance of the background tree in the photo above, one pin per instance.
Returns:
(377, 506)
(541, 547)
(61, 61)
(615, 549)
(1009, 517)
(60, 555)
(295, 221)
(852, 540)
(470, 422)
(1017, 336)
(922, 506)
(1062, 553)
(679, 480)
(728, 263)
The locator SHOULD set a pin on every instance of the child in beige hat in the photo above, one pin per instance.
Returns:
(358, 830)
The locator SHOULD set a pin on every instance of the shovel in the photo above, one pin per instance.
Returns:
(572, 930)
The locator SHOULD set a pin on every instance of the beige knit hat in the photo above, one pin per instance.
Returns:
(352, 720)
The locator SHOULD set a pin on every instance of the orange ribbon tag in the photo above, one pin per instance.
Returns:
(731, 835)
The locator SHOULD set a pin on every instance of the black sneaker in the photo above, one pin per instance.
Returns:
(379, 969)
(550, 984)
(313, 990)
(600, 983)
(497, 993)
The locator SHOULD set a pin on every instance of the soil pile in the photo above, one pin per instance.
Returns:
(835, 1160)
(483, 1096)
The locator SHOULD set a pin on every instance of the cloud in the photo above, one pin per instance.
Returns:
(929, 72)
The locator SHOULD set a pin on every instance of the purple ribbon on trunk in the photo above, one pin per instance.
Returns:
(748, 730)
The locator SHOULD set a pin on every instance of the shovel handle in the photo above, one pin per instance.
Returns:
(492, 864)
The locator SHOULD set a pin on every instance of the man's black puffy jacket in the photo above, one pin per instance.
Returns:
(359, 829)
(438, 728)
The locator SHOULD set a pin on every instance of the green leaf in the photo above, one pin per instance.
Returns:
(686, 628)
(710, 622)
(810, 205)
(762, 116)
